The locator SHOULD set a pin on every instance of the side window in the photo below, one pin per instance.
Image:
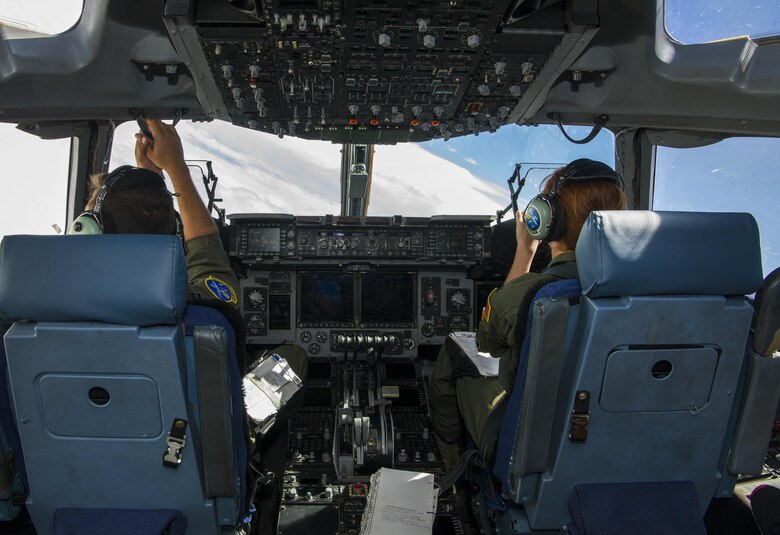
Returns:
(735, 175)
(35, 183)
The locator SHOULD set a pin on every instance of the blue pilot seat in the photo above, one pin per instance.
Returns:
(630, 379)
(127, 402)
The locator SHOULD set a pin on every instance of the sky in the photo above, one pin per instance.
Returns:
(467, 175)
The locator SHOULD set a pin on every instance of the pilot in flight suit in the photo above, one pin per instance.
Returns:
(208, 268)
(457, 399)
(461, 399)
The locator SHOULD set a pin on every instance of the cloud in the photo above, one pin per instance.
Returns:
(472, 161)
(260, 173)
(409, 180)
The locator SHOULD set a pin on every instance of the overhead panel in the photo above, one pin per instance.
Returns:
(369, 72)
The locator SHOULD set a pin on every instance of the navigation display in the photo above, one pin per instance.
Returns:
(387, 299)
(450, 241)
(264, 240)
(326, 299)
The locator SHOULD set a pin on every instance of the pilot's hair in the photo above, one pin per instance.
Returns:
(143, 209)
(579, 199)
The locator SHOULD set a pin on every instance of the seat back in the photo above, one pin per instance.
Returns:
(640, 377)
(102, 376)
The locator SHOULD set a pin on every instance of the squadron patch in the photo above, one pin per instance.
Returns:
(221, 290)
(487, 309)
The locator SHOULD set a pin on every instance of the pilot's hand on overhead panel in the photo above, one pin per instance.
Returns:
(165, 151)
(141, 159)
(525, 243)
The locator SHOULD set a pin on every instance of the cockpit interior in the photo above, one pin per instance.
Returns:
(647, 399)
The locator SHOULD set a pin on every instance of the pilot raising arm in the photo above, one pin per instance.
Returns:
(209, 271)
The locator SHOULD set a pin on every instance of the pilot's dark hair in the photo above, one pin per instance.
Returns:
(145, 208)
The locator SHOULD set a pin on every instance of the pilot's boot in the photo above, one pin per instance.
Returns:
(450, 452)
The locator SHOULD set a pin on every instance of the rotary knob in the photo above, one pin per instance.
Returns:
(428, 330)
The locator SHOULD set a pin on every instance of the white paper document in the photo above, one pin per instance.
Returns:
(486, 365)
(399, 502)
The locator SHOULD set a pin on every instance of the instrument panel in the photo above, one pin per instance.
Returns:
(282, 237)
(331, 313)
(344, 286)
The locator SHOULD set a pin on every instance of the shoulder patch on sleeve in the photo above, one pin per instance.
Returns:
(488, 308)
(221, 290)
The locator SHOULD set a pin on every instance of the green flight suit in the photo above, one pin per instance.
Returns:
(455, 402)
(209, 271)
(211, 277)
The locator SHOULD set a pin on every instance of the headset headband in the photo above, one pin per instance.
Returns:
(586, 169)
(126, 177)
(544, 214)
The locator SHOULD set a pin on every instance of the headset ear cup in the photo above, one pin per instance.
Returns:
(555, 230)
(537, 217)
(86, 223)
(544, 218)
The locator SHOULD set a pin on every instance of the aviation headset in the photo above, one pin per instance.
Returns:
(91, 222)
(544, 214)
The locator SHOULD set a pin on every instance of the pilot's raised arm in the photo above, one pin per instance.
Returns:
(208, 267)
(464, 400)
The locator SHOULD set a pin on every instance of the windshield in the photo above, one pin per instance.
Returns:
(702, 21)
(47, 17)
(260, 173)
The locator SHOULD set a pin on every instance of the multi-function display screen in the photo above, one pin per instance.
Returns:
(387, 299)
(264, 240)
(451, 241)
(327, 298)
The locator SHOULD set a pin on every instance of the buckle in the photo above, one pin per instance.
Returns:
(578, 432)
(176, 442)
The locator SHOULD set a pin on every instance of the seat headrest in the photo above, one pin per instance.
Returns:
(632, 253)
(125, 279)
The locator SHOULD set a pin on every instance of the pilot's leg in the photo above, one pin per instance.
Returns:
(445, 416)
(476, 398)
(296, 357)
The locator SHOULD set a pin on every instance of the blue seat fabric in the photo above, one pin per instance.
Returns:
(654, 285)
(565, 289)
(121, 279)
(75, 521)
(123, 323)
(654, 508)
